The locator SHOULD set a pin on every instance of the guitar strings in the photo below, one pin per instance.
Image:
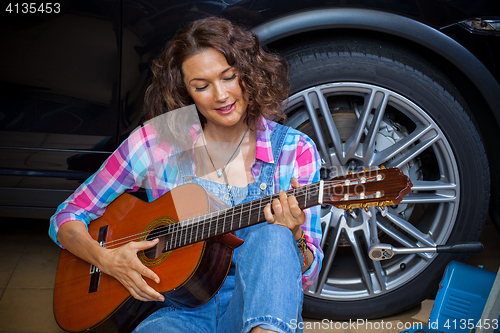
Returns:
(328, 185)
(183, 226)
(209, 218)
(180, 229)
(203, 220)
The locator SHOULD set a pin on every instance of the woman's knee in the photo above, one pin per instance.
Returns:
(271, 242)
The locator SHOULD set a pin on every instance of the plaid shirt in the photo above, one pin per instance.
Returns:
(141, 161)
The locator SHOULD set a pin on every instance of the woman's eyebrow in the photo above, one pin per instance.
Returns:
(201, 79)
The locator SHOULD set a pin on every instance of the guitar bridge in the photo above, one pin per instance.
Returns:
(95, 272)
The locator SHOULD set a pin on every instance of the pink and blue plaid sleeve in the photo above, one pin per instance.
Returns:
(301, 157)
(308, 164)
(124, 170)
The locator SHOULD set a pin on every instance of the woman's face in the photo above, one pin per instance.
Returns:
(214, 86)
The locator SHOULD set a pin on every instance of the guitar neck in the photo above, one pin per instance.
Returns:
(371, 188)
(214, 224)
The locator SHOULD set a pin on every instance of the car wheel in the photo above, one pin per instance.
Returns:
(369, 104)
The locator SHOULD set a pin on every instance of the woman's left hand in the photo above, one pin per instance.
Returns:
(286, 212)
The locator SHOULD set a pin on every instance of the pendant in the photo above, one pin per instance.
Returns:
(219, 173)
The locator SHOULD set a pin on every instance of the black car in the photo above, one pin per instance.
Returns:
(413, 84)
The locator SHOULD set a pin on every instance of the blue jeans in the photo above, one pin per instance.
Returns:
(264, 289)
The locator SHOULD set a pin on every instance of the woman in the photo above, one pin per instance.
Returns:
(239, 154)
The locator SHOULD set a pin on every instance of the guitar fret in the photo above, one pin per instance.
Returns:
(173, 238)
(209, 228)
(232, 218)
(223, 225)
(241, 214)
(249, 213)
(178, 242)
(191, 233)
(203, 229)
(305, 197)
(260, 208)
(216, 225)
(176, 233)
(204, 223)
(181, 234)
(185, 234)
(197, 232)
(225, 216)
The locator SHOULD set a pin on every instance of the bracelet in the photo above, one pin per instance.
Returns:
(302, 245)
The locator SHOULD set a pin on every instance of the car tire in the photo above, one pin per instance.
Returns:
(448, 167)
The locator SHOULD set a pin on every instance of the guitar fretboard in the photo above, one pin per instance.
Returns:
(217, 223)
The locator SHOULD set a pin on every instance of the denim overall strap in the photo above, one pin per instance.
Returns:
(266, 177)
(186, 171)
(264, 184)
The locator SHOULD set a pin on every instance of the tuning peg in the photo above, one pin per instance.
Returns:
(383, 209)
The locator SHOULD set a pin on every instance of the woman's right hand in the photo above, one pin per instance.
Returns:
(123, 264)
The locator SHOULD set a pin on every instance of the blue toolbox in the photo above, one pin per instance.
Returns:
(460, 301)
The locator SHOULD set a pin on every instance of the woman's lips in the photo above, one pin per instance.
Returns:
(227, 109)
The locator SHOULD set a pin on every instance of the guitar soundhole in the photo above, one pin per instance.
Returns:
(157, 250)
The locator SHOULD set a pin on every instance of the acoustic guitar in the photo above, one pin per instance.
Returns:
(195, 249)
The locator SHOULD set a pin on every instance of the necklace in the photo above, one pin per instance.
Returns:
(220, 172)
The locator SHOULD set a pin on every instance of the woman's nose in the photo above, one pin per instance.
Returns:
(221, 94)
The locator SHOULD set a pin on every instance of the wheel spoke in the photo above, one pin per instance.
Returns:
(380, 105)
(373, 237)
(330, 125)
(410, 229)
(360, 259)
(320, 139)
(403, 148)
(374, 102)
(329, 256)
(399, 237)
(380, 275)
(431, 192)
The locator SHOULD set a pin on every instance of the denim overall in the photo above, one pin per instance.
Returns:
(264, 285)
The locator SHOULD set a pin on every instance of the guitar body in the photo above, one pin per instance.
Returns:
(189, 276)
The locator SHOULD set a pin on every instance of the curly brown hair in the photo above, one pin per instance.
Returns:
(263, 76)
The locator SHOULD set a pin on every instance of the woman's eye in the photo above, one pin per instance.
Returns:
(230, 78)
(201, 88)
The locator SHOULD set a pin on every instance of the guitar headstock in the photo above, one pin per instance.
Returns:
(370, 188)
